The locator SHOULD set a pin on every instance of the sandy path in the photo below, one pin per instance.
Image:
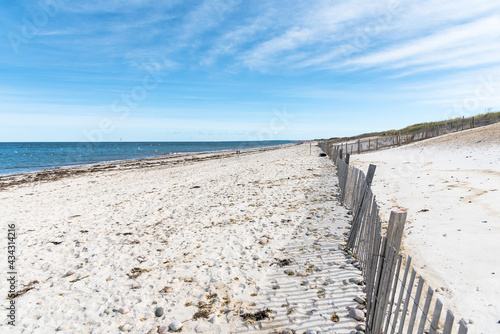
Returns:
(210, 230)
(451, 186)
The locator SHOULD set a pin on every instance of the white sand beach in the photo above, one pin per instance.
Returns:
(451, 188)
(201, 238)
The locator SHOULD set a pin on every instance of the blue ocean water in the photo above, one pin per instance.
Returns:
(27, 157)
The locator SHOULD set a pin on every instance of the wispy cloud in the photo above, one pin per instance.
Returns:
(319, 28)
(461, 46)
(112, 6)
(327, 36)
(206, 16)
(234, 41)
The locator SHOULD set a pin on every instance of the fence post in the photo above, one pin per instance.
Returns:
(397, 221)
(377, 145)
(463, 327)
(473, 122)
(344, 182)
(359, 148)
(370, 174)
(462, 123)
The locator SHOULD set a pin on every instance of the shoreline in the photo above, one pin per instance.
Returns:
(165, 154)
(55, 173)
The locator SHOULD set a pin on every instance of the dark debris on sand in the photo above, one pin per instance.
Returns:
(258, 316)
(136, 272)
(284, 262)
(28, 287)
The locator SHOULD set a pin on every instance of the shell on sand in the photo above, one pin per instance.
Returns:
(122, 310)
(69, 273)
(167, 289)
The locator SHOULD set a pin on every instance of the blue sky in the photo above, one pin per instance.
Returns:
(241, 70)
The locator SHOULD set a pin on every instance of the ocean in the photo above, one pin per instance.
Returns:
(28, 157)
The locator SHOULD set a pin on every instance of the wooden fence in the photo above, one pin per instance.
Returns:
(428, 131)
(393, 303)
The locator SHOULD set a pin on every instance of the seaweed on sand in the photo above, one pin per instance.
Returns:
(28, 287)
(284, 262)
(258, 316)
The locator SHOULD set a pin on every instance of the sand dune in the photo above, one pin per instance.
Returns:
(451, 186)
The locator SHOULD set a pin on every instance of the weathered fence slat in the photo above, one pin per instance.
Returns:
(416, 301)
(368, 234)
(364, 217)
(463, 327)
(438, 307)
(376, 273)
(361, 180)
(393, 294)
(397, 221)
(372, 259)
(425, 311)
(388, 262)
(374, 224)
(407, 301)
(401, 294)
(448, 324)
(346, 175)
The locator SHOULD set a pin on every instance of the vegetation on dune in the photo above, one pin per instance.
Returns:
(412, 128)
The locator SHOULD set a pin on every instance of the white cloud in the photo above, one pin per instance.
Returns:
(378, 34)
(122, 6)
(233, 41)
(457, 46)
(206, 16)
(401, 35)
(144, 60)
(320, 27)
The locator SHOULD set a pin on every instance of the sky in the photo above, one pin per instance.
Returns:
(217, 70)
